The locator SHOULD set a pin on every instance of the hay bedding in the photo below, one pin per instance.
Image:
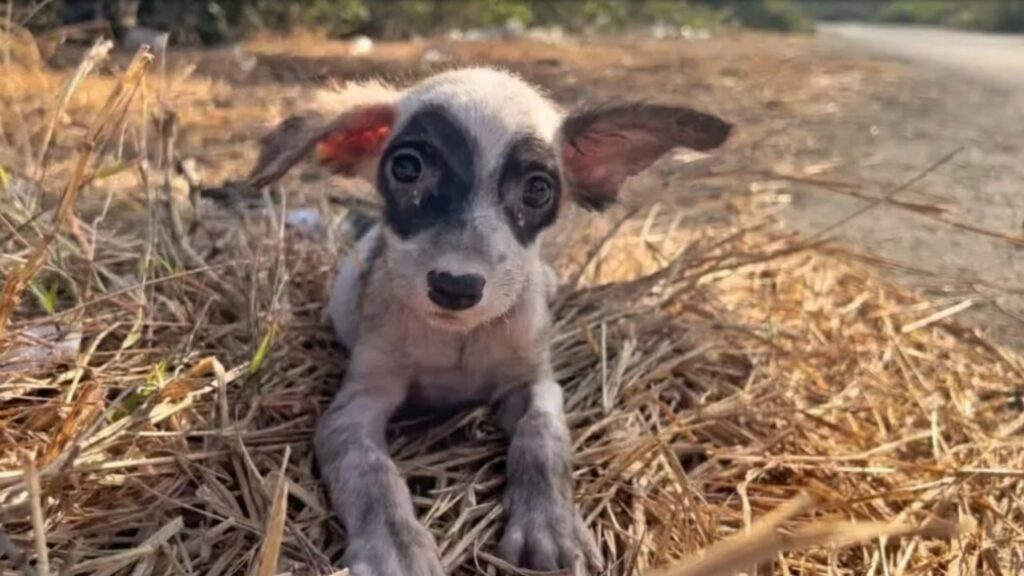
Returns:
(713, 374)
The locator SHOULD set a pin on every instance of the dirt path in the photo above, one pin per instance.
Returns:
(959, 91)
(993, 57)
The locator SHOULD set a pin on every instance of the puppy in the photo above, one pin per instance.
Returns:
(445, 302)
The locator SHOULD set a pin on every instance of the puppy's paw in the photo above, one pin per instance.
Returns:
(546, 536)
(397, 548)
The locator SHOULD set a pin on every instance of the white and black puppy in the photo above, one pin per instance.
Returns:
(445, 302)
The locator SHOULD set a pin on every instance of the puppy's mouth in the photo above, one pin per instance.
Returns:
(448, 320)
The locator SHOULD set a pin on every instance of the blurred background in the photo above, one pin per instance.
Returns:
(214, 21)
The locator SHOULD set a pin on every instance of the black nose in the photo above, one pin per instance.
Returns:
(455, 292)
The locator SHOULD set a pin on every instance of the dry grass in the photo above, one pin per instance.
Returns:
(161, 382)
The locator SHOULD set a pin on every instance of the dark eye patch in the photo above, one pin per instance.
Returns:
(442, 192)
(528, 157)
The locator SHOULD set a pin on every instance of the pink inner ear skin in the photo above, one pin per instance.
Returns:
(588, 169)
(356, 140)
(597, 165)
(606, 145)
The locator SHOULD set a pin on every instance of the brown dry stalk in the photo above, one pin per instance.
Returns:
(765, 541)
(275, 522)
(14, 554)
(934, 212)
(38, 517)
(93, 57)
(888, 195)
(88, 406)
(181, 243)
(100, 128)
(111, 563)
(940, 315)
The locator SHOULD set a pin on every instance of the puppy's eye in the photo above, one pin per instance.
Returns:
(538, 191)
(406, 166)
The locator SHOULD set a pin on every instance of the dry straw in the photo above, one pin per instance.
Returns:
(741, 401)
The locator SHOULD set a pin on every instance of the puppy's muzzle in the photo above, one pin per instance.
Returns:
(455, 292)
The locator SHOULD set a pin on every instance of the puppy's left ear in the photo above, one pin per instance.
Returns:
(602, 147)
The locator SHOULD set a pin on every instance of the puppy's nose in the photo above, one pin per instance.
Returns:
(455, 292)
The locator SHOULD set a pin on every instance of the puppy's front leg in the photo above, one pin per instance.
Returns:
(384, 537)
(544, 531)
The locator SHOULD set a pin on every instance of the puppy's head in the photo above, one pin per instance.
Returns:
(473, 165)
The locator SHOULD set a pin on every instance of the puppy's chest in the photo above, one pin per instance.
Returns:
(453, 369)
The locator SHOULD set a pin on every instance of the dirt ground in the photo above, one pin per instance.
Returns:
(940, 103)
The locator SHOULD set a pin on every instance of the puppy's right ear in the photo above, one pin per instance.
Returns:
(349, 142)
(604, 146)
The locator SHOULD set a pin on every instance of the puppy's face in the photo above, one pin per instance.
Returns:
(470, 178)
(473, 165)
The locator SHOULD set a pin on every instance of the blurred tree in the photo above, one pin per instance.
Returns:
(773, 15)
(994, 15)
(338, 17)
(681, 13)
(607, 14)
(212, 21)
(783, 15)
(120, 14)
(840, 9)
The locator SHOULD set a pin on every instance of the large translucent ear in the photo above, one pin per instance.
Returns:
(347, 129)
(603, 146)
